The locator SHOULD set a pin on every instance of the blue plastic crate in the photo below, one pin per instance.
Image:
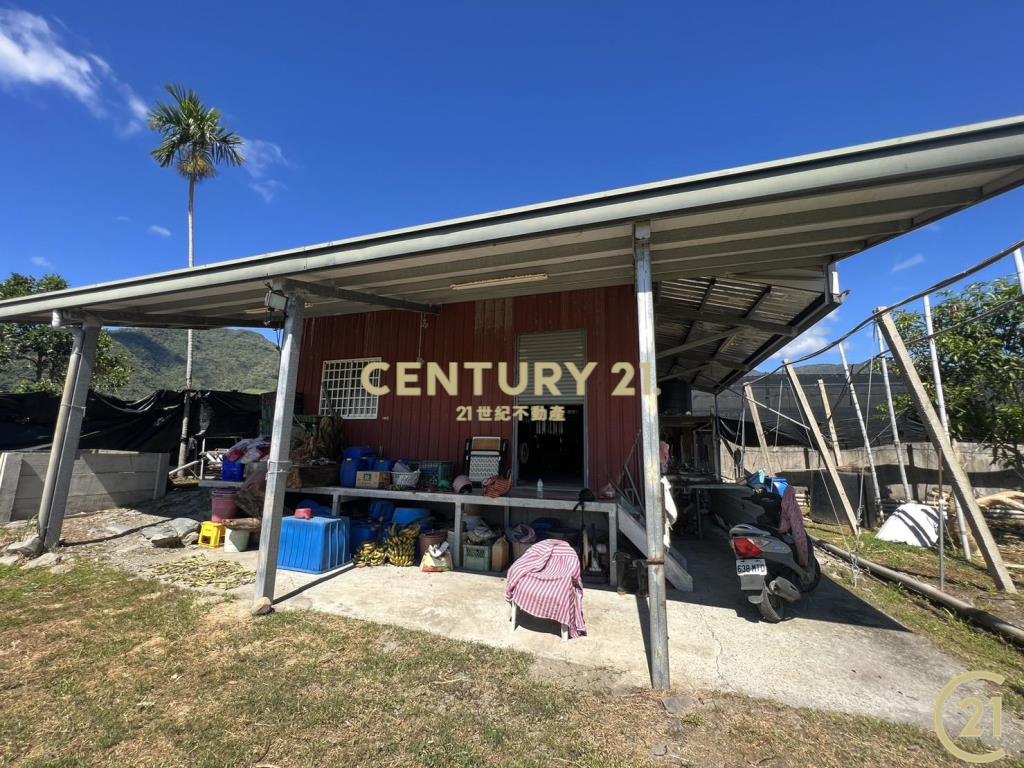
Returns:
(313, 546)
(232, 470)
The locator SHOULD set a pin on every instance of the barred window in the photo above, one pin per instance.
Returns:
(342, 392)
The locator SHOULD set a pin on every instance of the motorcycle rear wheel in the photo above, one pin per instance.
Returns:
(772, 607)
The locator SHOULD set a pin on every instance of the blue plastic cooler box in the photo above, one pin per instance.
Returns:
(315, 545)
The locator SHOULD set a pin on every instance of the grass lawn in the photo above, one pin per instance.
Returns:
(97, 668)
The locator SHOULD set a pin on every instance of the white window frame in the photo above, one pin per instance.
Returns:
(340, 387)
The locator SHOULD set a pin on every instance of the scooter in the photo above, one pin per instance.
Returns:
(766, 562)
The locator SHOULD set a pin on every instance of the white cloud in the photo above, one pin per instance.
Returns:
(122, 218)
(261, 158)
(156, 229)
(807, 342)
(913, 261)
(41, 261)
(267, 188)
(33, 54)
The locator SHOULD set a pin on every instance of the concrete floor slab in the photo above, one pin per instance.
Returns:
(836, 652)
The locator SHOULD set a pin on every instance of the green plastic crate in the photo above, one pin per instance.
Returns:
(476, 557)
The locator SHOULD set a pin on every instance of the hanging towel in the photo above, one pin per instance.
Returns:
(671, 513)
(545, 582)
(792, 521)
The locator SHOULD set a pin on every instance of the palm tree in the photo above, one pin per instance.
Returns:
(195, 143)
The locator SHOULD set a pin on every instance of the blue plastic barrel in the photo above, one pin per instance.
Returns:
(361, 531)
(383, 465)
(408, 515)
(382, 510)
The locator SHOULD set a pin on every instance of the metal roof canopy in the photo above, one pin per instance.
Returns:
(743, 257)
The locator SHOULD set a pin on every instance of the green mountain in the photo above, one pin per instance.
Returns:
(224, 359)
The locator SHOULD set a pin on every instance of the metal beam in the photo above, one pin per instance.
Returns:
(726, 318)
(960, 481)
(131, 319)
(751, 311)
(280, 442)
(654, 511)
(362, 297)
(697, 342)
(68, 430)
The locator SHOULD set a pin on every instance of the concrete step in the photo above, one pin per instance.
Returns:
(632, 526)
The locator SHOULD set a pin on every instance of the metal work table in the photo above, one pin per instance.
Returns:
(552, 501)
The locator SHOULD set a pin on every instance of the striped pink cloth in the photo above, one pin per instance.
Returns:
(545, 582)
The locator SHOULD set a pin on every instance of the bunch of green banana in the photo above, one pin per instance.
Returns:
(370, 554)
(401, 545)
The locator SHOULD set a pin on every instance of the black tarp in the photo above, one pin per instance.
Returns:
(775, 391)
(151, 424)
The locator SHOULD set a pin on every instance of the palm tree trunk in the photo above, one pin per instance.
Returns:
(183, 445)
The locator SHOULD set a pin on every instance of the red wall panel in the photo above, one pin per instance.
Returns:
(426, 427)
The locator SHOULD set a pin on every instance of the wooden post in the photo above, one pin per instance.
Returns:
(907, 495)
(280, 443)
(863, 427)
(826, 456)
(57, 484)
(959, 480)
(755, 414)
(653, 507)
(830, 421)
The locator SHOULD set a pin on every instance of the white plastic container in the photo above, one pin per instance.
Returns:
(236, 540)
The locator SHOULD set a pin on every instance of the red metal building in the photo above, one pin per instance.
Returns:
(427, 427)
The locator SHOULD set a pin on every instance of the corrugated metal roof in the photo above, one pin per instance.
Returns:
(779, 224)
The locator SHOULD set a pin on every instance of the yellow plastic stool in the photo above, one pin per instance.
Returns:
(211, 535)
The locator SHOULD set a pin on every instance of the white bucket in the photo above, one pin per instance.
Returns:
(236, 540)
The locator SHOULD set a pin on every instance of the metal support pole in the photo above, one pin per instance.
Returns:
(819, 439)
(653, 506)
(830, 421)
(940, 399)
(57, 484)
(907, 495)
(1019, 261)
(716, 443)
(863, 427)
(748, 392)
(280, 442)
(958, 478)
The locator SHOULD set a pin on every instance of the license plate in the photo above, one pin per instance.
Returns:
(751, 567)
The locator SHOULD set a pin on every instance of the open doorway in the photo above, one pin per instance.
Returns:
(552, 451)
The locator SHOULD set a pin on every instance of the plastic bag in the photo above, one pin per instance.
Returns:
(431, 564)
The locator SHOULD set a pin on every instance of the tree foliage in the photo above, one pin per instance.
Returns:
(36, 356)
(192, 137)
(981, 361)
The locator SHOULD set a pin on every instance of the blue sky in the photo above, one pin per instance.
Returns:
(363, 117)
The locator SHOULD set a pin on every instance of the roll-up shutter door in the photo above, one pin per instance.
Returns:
(558, 347)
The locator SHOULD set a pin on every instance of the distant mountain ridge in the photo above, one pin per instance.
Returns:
(224, 359)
